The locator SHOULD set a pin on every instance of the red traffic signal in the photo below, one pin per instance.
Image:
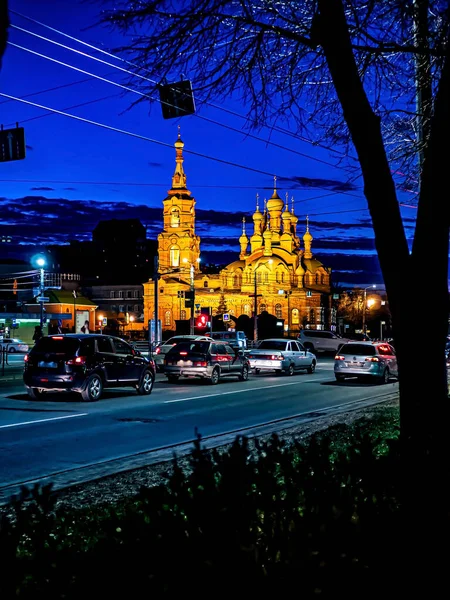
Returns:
(201, 321)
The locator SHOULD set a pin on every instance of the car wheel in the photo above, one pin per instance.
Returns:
(172, 378)
(93, 390)
(215, 376)
(244, 375)
(339, 377)
(146, 385)
(312, 367)
(35, 393)
(12, 350)
(290, 370)
(385, 377)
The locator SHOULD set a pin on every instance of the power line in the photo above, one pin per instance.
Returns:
(145, 95)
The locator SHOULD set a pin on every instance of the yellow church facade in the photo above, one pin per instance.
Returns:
(290, 282)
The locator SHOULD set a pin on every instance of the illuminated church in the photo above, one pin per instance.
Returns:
(291, 283)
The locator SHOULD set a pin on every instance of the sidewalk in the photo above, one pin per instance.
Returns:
(11, 375)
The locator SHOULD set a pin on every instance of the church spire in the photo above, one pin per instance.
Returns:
(179, 177)
(243, 241)
(307, 239)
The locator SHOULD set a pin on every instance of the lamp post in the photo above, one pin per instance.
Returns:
(365, 306)
(287, 293)
(100, 320)
(255, 304)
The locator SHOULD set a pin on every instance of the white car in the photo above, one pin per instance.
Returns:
(282, 356)
(14, 345)
(366, 360)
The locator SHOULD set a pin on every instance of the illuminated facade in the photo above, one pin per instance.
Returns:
(291, 283)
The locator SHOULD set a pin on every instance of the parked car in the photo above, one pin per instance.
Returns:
(205, 359)
(319, 340)
(85, 364)
(366, 360)
(358, 337)
(14, 345)
(281, 355)
(161, 350)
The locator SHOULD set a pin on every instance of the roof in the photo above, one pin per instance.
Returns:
(312, 264)
(65, 297)
(237, 264)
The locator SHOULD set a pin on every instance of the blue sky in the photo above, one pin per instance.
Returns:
(76, 173)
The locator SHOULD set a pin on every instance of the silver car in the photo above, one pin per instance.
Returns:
(160, 351)
(282, 356)
(366, 360)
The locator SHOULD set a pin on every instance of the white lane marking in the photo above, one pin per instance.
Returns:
(256, 389)
(43, 420)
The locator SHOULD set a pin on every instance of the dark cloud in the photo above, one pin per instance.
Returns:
(42, 189)
(29, 147)
(70, 189)
(154, 164)
(313, 182)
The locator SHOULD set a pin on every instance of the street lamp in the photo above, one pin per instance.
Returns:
(255, 304)
(365, 306)
(39, 261)
(100, 320)
(192, 285)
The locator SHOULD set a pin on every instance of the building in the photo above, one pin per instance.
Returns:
(290, 282)
(122, 303)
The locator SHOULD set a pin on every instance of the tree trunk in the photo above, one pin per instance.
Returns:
(420, 350)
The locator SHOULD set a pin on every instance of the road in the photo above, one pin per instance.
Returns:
(43, 438)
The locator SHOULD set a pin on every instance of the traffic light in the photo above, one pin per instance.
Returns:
(189, 299)
(202, 321)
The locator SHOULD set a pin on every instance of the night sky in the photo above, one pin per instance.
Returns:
(76, 174)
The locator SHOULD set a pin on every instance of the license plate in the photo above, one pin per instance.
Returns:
(185, 363)
(47, 365)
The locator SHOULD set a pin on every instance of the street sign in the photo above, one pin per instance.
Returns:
(42, 299)
(226, 317)
(12, 144)
(105, 321)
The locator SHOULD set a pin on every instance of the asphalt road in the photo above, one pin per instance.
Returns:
(41, 438)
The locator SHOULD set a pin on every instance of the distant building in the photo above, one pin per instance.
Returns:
(292, 283)
(123, 303)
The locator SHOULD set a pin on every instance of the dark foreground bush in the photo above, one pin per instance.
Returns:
(315, 520)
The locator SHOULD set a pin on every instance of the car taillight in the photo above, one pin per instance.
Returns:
(200, 363)
(372, 359)
(183, 353)
(157, 350)
(277, 357)
(339, 357)
(26, 358)
(79, 360)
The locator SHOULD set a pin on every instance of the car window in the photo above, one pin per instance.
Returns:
(272, 345)
(358, 349)
(176, 340)
(294, 347)
(104, 345)
(87, 347)
(190, 346)
(56, 345)
(122, 347)
(300, 347)
(230, 350)
(221, 348)
(384, 350)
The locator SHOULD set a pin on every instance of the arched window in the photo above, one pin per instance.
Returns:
(175, 256)
(183, 315)
(282, 276)
(259, 277)
(167, 317)
(247, 309)
(238, 279)
(312, 316)
(323, 280)
(205, 284)
(295, 316)
(175, 217)
(262, 307)
(278, 277)
(278, 311)
(317, 278)
(235, 281)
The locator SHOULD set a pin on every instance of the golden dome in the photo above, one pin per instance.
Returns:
(308, 237)
(275, 202)
(257, 215)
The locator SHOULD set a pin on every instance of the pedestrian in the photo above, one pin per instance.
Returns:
(85, 328)
(37, 333)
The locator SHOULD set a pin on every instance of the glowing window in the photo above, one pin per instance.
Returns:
(175, 256)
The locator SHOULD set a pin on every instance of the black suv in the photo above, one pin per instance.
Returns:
(85, 364)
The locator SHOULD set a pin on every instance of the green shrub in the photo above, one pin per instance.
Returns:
(318, 519)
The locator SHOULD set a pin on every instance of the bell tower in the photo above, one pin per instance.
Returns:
(178, 246)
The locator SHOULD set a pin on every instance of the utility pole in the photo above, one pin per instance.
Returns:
(193, 300)
(156, 320)
(41, 320)
(255, 311)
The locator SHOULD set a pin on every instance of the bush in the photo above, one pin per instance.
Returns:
(319, 519)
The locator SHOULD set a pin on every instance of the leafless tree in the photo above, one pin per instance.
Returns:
(373, 77)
